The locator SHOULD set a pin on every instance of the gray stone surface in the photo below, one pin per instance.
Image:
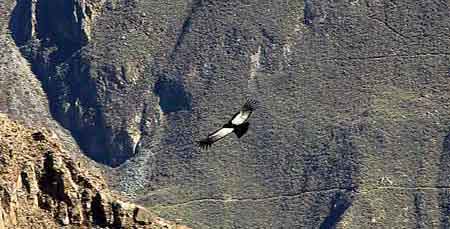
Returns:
(351, 131)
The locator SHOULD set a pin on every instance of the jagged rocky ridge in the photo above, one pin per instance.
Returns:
(41, 186)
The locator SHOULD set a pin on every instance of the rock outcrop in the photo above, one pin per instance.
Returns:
(41, 186)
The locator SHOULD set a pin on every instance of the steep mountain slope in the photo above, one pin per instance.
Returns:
(21, 93)
(352, 130)
(40, 186)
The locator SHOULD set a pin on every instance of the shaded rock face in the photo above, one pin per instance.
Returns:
(54, 37)
(354, 114)
(42, 187)
(21, 94)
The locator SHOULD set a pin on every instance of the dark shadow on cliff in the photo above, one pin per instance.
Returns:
(443, 182)
(20, 27)
(339, 204)
(308, 13)
(52, 39)
(173, 97)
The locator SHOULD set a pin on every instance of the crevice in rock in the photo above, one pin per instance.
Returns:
(51, 181)
(98, 211)
(186, 28)
(25, 181)
(117, 221)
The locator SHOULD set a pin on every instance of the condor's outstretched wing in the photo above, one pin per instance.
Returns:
(245, 112)
(215, 136)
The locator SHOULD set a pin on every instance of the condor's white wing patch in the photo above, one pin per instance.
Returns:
(240, 118)
(220, 134)
(245, 113)
(217, 135)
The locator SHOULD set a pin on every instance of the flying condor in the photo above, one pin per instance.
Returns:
(237, 124)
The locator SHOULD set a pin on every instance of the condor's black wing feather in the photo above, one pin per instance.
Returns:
(215, 136)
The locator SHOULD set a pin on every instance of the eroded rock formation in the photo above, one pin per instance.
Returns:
(41, 186)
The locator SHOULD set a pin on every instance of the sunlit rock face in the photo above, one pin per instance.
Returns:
(352, 125)
(43, 187)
